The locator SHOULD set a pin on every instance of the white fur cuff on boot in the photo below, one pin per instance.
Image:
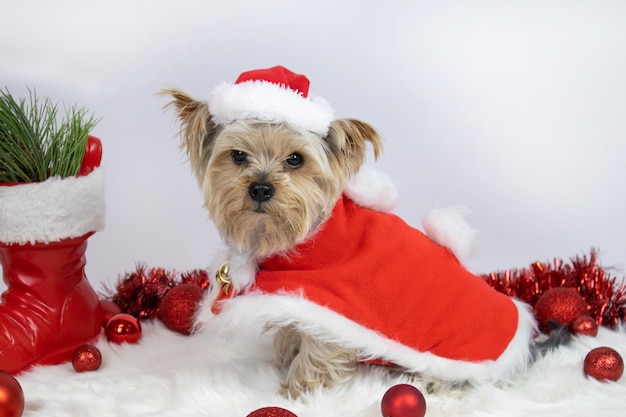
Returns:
(52, 210)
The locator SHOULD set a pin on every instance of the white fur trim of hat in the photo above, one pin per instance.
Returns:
(52, 210)
(273, 95)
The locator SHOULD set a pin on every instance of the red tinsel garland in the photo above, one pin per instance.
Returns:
(605, 297)
(140, 292)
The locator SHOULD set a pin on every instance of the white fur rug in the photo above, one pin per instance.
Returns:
(230, 375)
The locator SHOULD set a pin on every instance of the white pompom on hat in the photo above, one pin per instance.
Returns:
(273, 95)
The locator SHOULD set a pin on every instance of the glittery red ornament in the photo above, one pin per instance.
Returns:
(585, 325)
(403, 400)
(123, 328)
(11, 396)
(604, 363)
(109, 309)
(605, 295)
(140, 292)
(271, 412)
(86, 358)
(179, 306)
(561, 305)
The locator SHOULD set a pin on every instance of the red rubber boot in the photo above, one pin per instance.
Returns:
(49, 308)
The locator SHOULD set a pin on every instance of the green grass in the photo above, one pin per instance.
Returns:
(37, 142)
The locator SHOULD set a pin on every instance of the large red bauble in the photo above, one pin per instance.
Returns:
(403, 400)
(86, 358)
(178, 307)
(123, 328)
(604, 363)
(562, 305)
(271, 412)
(11, 396)
(109, 309)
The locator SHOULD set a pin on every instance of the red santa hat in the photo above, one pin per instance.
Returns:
(273, 95)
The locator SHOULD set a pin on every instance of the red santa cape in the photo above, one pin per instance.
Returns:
(370, 282)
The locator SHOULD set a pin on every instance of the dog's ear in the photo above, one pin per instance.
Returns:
(348, 139)
(197, 131)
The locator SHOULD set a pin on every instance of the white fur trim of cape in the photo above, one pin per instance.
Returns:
(252, 312)
(271, 103)
(52, 210)
(372, 189)
(447, 227)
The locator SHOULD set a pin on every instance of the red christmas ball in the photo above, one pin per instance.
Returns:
(11, 396)
(561, 305)
(86, 358)
(585, 325)
(604, 363)
(271, 412)
(403, 400)
(178, 307)
(123, 328)
(109, 309)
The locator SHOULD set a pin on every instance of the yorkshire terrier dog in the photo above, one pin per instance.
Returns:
(318, 262)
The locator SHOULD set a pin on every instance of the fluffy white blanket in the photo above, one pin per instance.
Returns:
(231, 375)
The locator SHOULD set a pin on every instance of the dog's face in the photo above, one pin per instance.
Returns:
(268, 186)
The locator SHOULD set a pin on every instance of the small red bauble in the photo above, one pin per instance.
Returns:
(604, 363)
(109, 309)
(562, 305)
(123, 328)
(86, 358)
(403, 400)
(178, 307)
(585, 325)
(271, 412)
(11, 396)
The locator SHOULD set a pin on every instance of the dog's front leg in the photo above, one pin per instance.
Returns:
(311, 363)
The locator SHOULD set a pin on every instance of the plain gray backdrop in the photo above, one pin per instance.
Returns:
(515, 109)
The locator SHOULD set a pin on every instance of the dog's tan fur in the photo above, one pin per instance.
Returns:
(302, 200)
(309, 363)
(304, 196)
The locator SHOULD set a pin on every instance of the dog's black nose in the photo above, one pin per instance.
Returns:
(261, 191)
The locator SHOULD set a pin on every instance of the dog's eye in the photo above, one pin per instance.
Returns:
(294, 160)
(240, 157)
